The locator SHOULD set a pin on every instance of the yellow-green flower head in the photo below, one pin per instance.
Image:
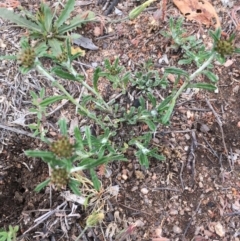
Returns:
(62, 147)
(225, 47)
(60, 177)
(95, 218)
(27, 57)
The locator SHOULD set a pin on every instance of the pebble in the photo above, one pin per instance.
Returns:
(124, 177)
(144, 191)
(219, 229)
(173, 212)
(134, 189)
(176, 229)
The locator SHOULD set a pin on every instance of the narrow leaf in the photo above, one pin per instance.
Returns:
(77, 22)
(42, 154)
(95, 180)
(166, 117)
(63, 126)
(8, 57)
(63, 74)
(50, 100)
(40, 186)
(65, 14)
(177, 71)
(205, 86)
(95, 78)
(74, 186)
(48, 17)
(214, 78)
(20, 21)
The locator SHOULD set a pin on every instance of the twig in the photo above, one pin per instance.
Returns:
(134, 209)
(188, 225)
(219, 123)
(191, 157)
(20, 132)
(44, 217)
(165, 188)
(211, 149)
(180, 176)
(232, 214)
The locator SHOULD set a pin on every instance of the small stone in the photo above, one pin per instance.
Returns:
(144, 191)
(200, 184)
(134, 189)
(124, 177)
(173, 212)
(187, 136)
(176, 229)
(219, 229)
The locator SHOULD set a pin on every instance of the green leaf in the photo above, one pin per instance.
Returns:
(41, 154)
(77, 21)
(43, 184)
(166, 117)
(95, 180)
(20, 21)
(177, 71)
(65, 14)
(143, 160)
(214, 78)
(150, 124)
(63, 74)
(79, 138)
(88, 137)
(63, 126)
(56, 46)
(74, 186)
(237, 50)
(50, 100)
(95, 78)
(215, 35)
(48, 17)
(8, 57)
(205, 86)
(164, 103)
(184, 61)
(157, 156)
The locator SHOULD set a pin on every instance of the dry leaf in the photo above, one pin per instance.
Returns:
(199, 10)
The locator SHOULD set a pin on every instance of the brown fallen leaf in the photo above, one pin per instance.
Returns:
(199, 10)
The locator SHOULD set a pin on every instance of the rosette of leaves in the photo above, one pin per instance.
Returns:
(46, 26)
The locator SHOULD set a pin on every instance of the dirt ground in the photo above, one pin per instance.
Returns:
(193, 195)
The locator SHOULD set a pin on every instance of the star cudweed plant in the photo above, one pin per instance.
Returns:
(193, 52)
(46, 26)
(85, 152)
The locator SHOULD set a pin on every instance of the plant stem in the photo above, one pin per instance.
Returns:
(73, 72)
(81, 234)
(60, 87)
(192, 76)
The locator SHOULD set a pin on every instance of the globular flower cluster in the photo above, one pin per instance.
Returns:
(62, 147)
(63, 57)
(60, 177)
(27, 57)
(225, 47)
